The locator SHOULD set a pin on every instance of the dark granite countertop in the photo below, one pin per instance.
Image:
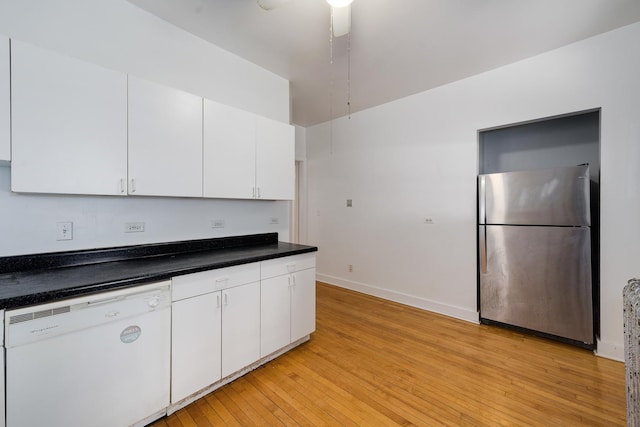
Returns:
(39, 278)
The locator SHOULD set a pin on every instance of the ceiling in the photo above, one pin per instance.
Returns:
(397, 47)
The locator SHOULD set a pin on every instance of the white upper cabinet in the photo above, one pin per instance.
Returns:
(71, 127)
(5, 116)
(229, 152)
(275, 160)
(69, 124)
(247, 156)
(165, 141)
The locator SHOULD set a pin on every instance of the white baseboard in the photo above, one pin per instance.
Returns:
(610, 350)
(413, 301)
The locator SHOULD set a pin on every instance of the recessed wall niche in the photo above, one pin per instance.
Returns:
(567, 140)
(547, 143)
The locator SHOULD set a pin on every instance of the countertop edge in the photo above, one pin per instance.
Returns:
(24, 300)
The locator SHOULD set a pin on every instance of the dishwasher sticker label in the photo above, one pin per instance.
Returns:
(130, 334)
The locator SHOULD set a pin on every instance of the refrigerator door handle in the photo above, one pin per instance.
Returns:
(482, 218)
(483, 249)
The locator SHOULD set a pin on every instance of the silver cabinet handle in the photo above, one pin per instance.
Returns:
(133, 185)
(122, 187)
(258, 192)
(218, 301)
(226, 298)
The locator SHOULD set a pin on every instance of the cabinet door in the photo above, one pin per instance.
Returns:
(275, 314)
(69, 124)
(229, 165)
(195, 344)
(275, 160)
(165, 140)
(5, 141)
(303, 303)
(240, 327)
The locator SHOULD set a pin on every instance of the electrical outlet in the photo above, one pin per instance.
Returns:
(350, 266)
(217, 223)
(349, 203)
(275, 221)
(65, 230)
(428, 221)
(134, 227)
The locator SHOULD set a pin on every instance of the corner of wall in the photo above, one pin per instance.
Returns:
(610, 350)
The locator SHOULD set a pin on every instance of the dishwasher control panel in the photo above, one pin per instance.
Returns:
(28, 324)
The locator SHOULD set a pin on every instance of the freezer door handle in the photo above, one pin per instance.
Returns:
(483, 249)
(482, 218)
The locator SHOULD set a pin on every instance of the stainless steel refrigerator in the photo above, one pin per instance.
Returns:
(535, 252)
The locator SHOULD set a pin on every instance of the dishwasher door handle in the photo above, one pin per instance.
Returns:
(105, 301)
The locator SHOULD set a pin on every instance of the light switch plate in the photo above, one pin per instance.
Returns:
(65, 230)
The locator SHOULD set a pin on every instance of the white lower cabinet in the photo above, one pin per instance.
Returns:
(288, 308)
(215, 326)
(240, 327)
(303, 304)
(227, 319)
(195, 344)
(276, 314)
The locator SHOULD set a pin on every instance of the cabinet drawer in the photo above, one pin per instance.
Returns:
(204, 282)
(286, 265)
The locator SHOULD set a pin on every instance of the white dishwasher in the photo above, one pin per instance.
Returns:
(100, 360)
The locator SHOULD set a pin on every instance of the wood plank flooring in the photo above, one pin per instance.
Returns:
(373, 362)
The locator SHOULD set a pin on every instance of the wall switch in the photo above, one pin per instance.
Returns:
(428, 221)
(134, 227)
(275, 221)
(217, 223)
(65, 231)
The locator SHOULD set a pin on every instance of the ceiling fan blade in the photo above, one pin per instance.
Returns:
(271, 4)
(341, 17)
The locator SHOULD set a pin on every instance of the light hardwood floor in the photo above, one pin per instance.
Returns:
(373, 362)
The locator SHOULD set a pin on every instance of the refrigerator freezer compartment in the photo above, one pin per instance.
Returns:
(558, 196)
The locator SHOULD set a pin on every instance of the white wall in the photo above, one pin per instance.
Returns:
(117, 35)
(29, 221)
(301, 160)
(417, 158)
